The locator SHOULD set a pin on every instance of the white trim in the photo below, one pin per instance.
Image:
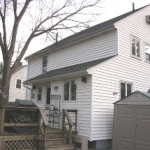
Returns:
(144, 44)
(91, 122)
(125, 82)
(69, 80)
(137, 39)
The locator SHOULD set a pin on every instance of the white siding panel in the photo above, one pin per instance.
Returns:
(107, 78)
(34, 67)
(16, 93)
(92, 49)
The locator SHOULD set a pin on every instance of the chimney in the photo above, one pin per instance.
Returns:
(133, 7)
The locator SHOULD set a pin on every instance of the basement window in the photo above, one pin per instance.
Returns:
(147, 52)
(70, 88)
(135, 47)
(126, 89)
(18, 84)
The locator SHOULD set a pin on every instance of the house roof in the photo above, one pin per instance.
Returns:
(67, 70)
(92, 31)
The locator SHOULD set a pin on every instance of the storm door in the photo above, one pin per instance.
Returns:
(48, 95)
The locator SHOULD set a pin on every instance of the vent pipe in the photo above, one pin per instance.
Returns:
(133, 7)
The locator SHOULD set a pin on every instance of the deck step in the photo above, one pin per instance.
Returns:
(56, 141)
(61, 147)
(55, 135)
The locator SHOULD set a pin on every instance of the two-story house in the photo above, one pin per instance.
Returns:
(94, 68)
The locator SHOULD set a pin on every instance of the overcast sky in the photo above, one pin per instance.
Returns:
(110, 9)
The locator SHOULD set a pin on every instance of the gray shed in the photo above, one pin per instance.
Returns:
(132, 122)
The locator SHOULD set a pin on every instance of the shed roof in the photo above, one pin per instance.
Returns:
(94, 30)
(67, 70)
(136, 98)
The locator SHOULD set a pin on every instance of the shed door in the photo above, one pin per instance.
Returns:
(134, 128)
(143, 128)
(127, 128)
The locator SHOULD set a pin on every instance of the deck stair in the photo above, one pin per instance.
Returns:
(57, 140)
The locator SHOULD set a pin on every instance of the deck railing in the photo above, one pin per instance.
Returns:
(30, 140)
(66, 116)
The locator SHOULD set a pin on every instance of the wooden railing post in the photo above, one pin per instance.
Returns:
(63, 120)
(70, 134)
(3, 119)
(76, 120)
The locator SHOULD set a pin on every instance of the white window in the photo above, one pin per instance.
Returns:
(147, 52)
(135, 47)
(44, 64)
(18, 84)
(39, 94)
(126, 89)
(70, 88)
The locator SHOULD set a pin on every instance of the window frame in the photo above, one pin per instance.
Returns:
(44, 70)
(39, 93)
(145, 43)
(137, 39)
(126, 83)
(18, 84)
(69, 100)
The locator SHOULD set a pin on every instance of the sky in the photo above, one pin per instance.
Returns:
(108, 10)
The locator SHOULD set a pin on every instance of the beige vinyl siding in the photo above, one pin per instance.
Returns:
(107, 78)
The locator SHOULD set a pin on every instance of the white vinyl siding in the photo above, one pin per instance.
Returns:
(107, 78)
(18, 93)
(98, 47)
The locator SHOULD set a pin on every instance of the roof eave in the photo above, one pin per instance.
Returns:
(85, 37)
(56, 77)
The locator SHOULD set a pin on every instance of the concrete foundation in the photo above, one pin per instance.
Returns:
(101, 144)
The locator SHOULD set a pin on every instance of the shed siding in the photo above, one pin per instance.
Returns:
(16, 93)
(82, 104)
(92, 49)
(107, 78)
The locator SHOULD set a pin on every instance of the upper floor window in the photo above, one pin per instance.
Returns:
(18, 84)
(44, 64)
(135, 47)
(126, 89)
(39, 94)
(147, 52)
(70, 88)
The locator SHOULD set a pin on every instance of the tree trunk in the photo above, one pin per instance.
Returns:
(4, 97)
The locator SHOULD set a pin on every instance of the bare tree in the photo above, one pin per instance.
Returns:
(24, 20)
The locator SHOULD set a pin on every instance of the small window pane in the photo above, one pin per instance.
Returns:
(73, 90)
(129, 89)
(39, 96)
(44, 64)
(18, 84)
(147, 52)
(123, 90)
(135, 47)
(66, 90)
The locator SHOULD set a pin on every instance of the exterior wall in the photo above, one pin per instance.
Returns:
(107, 78)
(15, 93)
(82, 103)
(96, 48)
